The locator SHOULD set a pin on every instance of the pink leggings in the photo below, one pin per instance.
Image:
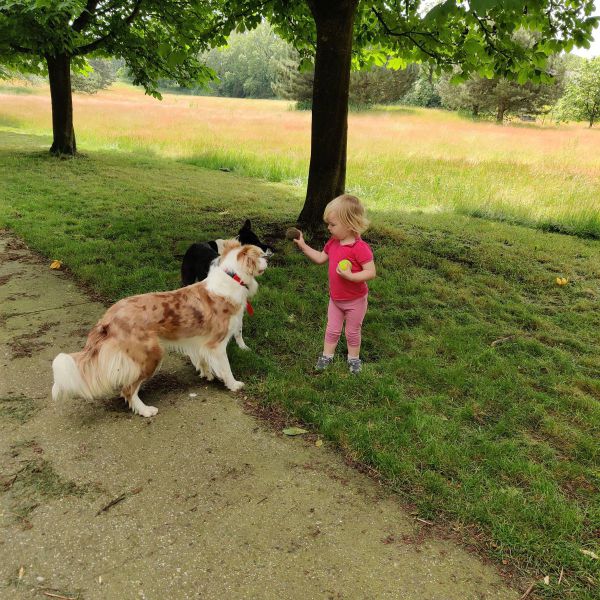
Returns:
(353, 311)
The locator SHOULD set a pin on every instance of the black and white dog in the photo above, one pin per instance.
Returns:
(199, 258)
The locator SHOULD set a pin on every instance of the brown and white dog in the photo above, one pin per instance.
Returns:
(127, 344)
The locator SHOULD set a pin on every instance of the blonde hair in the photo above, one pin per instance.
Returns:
(350, 212)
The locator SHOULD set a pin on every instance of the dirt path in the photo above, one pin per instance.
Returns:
(208, 502)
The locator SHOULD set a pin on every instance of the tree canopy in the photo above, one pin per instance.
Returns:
(477, 36)
(155, 38)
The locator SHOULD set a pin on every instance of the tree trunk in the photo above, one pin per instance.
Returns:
(500, 114)
(593, 116)
(327, 172)
(59, 73)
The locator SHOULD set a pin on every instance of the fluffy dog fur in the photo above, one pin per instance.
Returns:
(199, 257)
(127, 344)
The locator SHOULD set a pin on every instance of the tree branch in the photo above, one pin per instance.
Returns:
(100, 41)
(84, 18)
(21, 49)
(409, 34)
(488, 37)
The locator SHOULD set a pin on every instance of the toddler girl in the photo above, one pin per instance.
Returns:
(348, 291)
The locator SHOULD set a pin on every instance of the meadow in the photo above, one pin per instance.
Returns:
(479, 403)
(398, 157)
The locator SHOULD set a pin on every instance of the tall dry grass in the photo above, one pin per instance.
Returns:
(397, 158)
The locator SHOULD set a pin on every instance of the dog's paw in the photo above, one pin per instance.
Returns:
(236, 386)
(148, 411)
(242, 345)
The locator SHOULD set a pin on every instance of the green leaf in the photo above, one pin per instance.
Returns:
(440, 11)
(482, 6)
(397, 63)
(164, 49)
(176, 58)
(472, 46)
(459, 78)
(487, 71)
(540, 60)
(522, 77)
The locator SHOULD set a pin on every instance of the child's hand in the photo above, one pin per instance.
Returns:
(347, 274)
(299, 241)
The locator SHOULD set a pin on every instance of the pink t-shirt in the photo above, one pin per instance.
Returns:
(358, 253)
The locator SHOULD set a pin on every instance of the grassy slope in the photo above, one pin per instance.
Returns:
(434, 160)
(502, 436)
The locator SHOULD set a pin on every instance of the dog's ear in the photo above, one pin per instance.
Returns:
(247, 225)
(229, 245)
(249, 257)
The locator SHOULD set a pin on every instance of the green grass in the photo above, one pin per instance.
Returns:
(33, 481)
(480, 400)
(38, 482)
(17, 408)
(541, 176)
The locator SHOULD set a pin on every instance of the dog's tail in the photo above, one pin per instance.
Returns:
(100, 369)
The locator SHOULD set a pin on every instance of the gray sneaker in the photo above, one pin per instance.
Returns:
(323, 362)
(355, 365)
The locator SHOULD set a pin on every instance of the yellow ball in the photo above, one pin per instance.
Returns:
(344, 265)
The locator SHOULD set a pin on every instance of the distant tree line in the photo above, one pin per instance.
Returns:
(259, 64)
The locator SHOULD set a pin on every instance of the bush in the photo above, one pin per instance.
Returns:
(102, 75)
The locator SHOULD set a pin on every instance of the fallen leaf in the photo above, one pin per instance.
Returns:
(224, 212)
(294, 431)
(319, 443)
(21, 572)
(547, 580)
(590, 554)
(193, 395)
(100, 579)
(56, 264)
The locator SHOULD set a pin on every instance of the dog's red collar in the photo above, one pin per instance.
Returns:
(237, 278)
